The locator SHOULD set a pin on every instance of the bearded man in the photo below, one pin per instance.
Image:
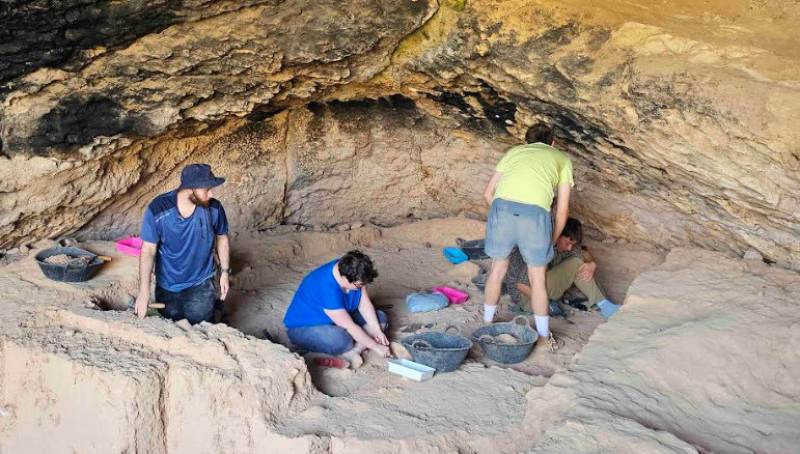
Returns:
(179, 233)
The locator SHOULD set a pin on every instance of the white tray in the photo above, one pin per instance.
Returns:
(410, 369)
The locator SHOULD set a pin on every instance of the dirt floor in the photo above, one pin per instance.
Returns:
(671, 372)
(408, 259)
(482, 398)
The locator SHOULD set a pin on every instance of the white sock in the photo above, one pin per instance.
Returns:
(542, 325)
(488, 313)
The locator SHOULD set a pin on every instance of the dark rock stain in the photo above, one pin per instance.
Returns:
(75, 122)
(552, 39)
(497, 109)
(52, 33)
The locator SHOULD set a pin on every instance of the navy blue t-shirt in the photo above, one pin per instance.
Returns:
(185, 255)
(319, 290)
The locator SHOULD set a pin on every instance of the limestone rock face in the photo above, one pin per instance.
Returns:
(320, 166)
(681, 118)
(706, 361)
(104, 381)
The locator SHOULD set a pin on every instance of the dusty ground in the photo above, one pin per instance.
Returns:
(481, 398)
(672, 372)
(408, 259)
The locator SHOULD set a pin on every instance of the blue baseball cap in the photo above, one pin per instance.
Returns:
(199, 176)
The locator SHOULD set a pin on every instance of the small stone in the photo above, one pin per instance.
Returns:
(752, 254)
(506, 338)
(356, 225)
(343, 227)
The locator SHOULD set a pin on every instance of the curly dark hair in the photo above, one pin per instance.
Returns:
(356, 266)
(573, 230)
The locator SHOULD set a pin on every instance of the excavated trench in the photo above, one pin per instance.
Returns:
(377, 127)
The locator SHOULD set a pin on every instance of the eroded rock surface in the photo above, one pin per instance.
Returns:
(702, 356)
(680, 117)
(74, 379)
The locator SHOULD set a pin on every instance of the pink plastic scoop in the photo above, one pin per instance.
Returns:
(454, 295)
(130, 246)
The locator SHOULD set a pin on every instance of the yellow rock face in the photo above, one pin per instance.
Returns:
(680, 116)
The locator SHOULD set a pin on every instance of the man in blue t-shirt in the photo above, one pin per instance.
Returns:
(331, 312)
(179, 231)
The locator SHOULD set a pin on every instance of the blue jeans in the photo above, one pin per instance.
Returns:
(195, 304)
(528, 227)
(330, 339)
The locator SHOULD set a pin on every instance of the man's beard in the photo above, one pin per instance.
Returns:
(195, 200)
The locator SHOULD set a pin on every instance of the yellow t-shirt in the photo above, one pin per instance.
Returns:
(531, 173)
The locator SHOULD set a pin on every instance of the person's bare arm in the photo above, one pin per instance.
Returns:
(373, 327)
(343, 320)
(562, 210)
(589, 266)
(146, 260)
(224, 254)
(488, 193)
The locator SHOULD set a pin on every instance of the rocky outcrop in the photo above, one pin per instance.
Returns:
(325, 165)
(701, 357)
(680, 122)
(74, 379)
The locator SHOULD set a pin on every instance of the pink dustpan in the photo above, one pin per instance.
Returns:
(454, 295)
(130, 246)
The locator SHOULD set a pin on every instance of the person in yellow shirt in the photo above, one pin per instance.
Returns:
(520, 195)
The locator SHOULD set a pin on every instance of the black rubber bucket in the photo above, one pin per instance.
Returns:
(473, 248)
(507, 353)
(442, 351)
(69, 272)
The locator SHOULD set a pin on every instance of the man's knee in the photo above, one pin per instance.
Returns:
(199, 308)
(499, 269)
(196, 313)
(570, 266)
(536, 275)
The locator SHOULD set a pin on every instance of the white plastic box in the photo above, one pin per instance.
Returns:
(410, 369)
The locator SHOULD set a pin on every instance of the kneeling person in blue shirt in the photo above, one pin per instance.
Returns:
(179, 231)
(331, 312)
